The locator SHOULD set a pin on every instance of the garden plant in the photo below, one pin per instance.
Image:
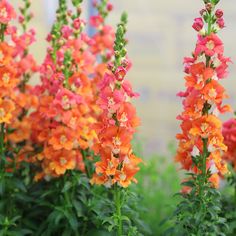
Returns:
(70, 161)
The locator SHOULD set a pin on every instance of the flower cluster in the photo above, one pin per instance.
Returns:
(8, 67)
(104, 37)
(117, 123)
(201, 141)
(81, 107)
(63, 122)
(17, 67)
(229, 133)
(20, 129)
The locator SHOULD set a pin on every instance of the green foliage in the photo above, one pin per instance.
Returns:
(229, 201)
(158, 181)
(199, 213)
(13, 199)
(102, 8)
(66, 206)
(229, 209)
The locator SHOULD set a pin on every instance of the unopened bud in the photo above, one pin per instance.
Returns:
(219, 13)
(202, 12)
(209, 7)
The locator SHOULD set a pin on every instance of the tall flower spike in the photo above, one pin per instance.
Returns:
(8, 80)
(201, 141)
(20, 130)
(118, 122)
(64, 119)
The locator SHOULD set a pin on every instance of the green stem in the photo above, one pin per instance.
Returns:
(2, 31)
(206, 108)
(209, 25)
(235, 194)
(203, 167)
(86, 163)
(2, 154)
(118, 210)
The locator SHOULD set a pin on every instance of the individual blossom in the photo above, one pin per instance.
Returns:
(7, 12)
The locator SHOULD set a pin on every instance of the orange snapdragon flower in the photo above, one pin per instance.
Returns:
(62, 137)
(6, 108)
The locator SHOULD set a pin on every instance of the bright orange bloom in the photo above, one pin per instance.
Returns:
(199, 75)
(6, 53)
(59, 161)
(128, 171)
(7, 78)
(21, 131)
(62, 137)
(6, 108)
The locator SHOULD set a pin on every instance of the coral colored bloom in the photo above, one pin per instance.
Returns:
(7, 12)
(229, 133)
(210, 45)
(95, 21)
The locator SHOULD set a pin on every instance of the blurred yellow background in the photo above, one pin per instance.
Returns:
(160, 35)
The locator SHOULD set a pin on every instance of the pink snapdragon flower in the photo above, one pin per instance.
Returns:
(221, 23)
(7, 12)
(209, 45)
(219, 13)
(95, 21)
(198, 24)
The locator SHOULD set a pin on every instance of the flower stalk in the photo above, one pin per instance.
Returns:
(117, 200)
(201, 141)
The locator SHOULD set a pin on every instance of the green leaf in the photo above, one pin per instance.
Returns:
(67, 186)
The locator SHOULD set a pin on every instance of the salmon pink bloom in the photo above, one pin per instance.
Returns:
(77, 23)
(127, 87)
(7, 12)
(229, 133)
(120, 73)
(95, 21)
(66, 31)
(66, 99)
(210, 45)
(110, 100)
